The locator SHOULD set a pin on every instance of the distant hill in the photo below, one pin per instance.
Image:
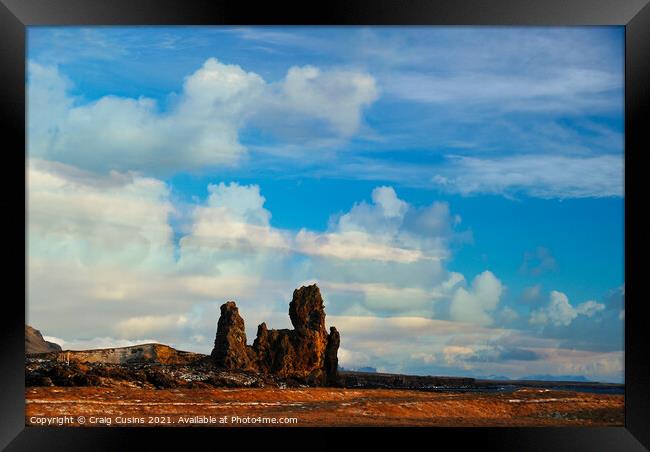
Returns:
(556, 378)
(34, 342)
(144, 353)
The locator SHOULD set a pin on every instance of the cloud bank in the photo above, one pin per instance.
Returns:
(103, 248)
(542, 176)
(202, 124)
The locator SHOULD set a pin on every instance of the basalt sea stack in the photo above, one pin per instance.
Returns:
(307, 352)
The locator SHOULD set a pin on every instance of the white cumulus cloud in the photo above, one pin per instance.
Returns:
(476, 303)
(105, 244)
(589, 308)
(337, 97)
(201, 126)
(560, 312)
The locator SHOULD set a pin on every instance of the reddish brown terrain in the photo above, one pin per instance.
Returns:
(285, 375)
(320, 407)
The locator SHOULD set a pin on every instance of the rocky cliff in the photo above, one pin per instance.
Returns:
(144, 353)
(230, 349)
(34, 342)
(307, 352)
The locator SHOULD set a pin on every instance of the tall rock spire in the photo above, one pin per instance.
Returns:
(307, 352)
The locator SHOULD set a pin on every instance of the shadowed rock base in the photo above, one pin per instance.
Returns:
(307, 352)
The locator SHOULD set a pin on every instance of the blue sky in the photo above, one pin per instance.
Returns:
(462, 183)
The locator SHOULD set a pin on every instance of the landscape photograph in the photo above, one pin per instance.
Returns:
(324, 226)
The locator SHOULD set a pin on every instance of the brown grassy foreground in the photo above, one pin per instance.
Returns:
(318, 407)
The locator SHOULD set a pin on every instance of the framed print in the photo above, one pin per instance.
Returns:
(280, 224)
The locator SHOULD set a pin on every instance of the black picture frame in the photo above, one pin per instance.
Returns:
(16, 15)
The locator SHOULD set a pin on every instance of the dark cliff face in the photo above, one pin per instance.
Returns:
(230, 348)
(331, 357)
(306, 310)
(34, 342)
(307, 352)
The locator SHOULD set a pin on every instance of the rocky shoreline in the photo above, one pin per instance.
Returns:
(201, 374)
